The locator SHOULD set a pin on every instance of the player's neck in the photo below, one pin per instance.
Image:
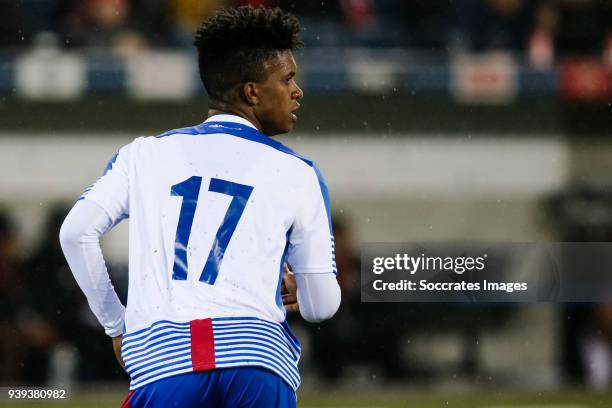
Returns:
(237, 112)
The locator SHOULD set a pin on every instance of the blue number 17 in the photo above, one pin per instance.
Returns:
(190, 191)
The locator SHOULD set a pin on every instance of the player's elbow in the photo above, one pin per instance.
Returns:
(320, 315)
(81, 226)
(323, 310)
(72, 233)
(68, 235)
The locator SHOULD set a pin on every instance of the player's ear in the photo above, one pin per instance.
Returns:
(250, 93)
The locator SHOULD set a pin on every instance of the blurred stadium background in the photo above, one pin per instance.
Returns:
(431, 120)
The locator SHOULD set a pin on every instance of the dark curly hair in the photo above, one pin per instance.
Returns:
(234, 44)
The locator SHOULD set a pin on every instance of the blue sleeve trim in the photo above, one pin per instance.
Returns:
(325, 194)
(109, 166)
(279, 300)
(192, 130)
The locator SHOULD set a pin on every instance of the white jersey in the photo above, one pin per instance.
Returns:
(215, 210)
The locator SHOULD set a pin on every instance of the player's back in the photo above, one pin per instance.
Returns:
(209, 216)
(215, 210)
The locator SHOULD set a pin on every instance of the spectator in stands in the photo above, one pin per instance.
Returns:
(254, 3)
(13, 300)
(361, 333)
(58, 301)
(155, 21)
(313, 9)
(336, 343)
(424, 23)
(188, 14)
(586, 329)
(321, 21)
(597, 349)
(358, 14)
(13, 30)
(52, 301)
(483, 25)
(102, 23)
(580, 27)
(25, 332)
(346, 22)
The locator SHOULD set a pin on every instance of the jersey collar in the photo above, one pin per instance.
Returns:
(230, 118)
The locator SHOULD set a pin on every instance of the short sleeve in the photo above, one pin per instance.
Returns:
(311, 241)
(111, 191)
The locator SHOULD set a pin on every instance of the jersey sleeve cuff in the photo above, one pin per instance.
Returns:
(117, 329)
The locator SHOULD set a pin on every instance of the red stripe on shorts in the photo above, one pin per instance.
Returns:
(126, 402)
(202, 345)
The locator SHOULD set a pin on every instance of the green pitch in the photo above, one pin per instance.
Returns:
(386, 399)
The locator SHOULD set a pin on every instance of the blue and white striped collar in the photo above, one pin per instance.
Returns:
(230, 118)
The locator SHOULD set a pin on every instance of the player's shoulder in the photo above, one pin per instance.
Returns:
(309, 174)
(149, 140)
(142, 142)
(302, 164)
(133, 146)
(161, 139)
(189, 130)
(284, 150)
(134, 150)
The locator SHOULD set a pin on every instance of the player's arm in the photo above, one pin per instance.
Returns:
(318, 296)
(101, 207)
(311, 254)
(80, 239)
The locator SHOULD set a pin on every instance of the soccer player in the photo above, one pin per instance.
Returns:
(216, 211)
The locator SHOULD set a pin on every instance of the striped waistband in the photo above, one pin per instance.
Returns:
(168, 348)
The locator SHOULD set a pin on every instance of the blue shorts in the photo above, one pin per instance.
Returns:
(250, 387)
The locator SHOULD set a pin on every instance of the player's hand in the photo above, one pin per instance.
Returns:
(117, 349)
(289, 291)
